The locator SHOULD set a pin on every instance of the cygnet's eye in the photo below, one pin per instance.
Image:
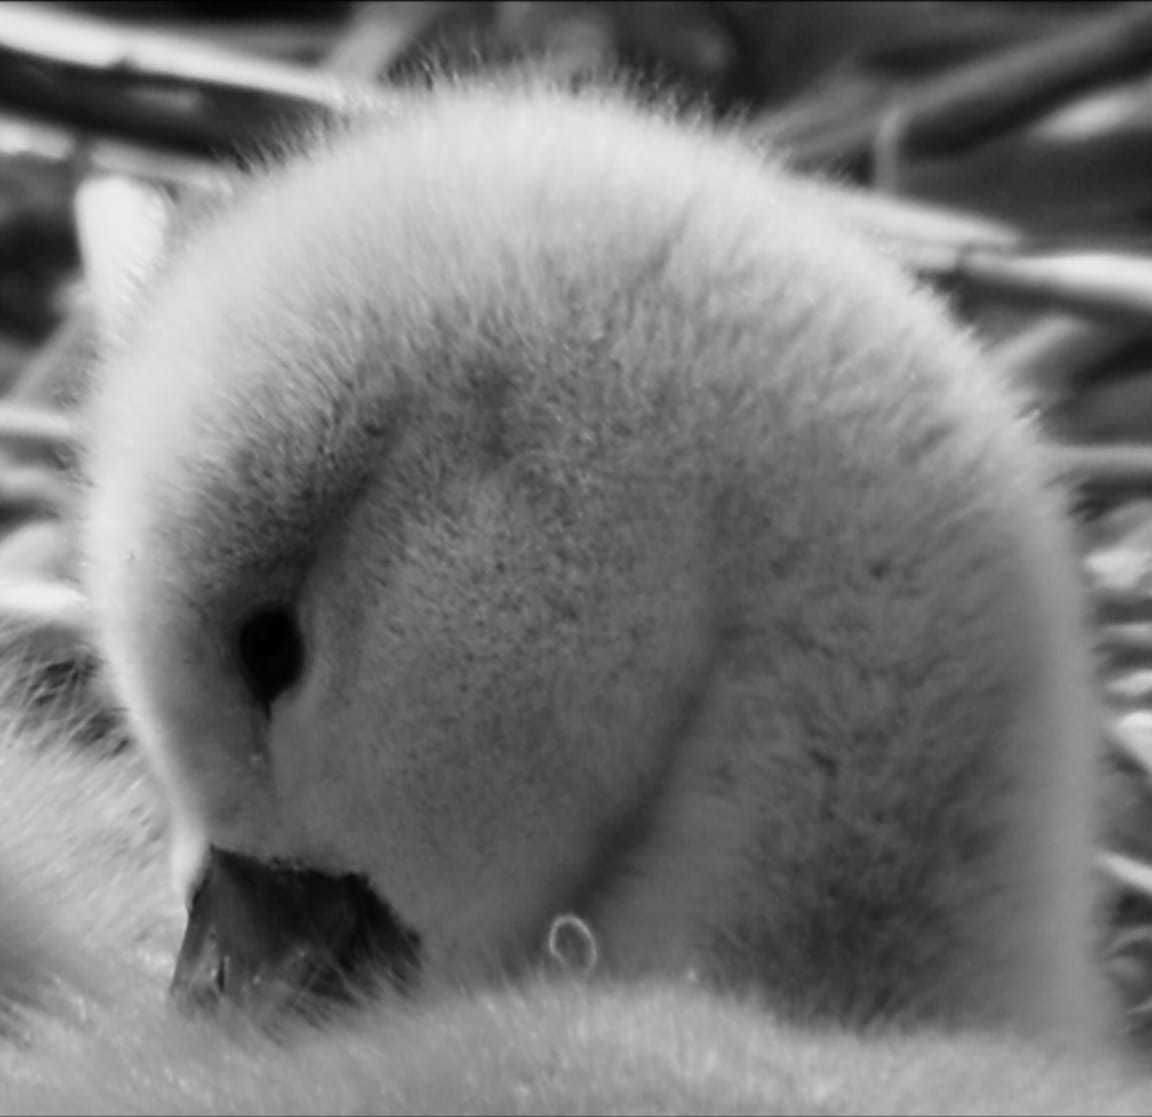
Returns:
(271, 652)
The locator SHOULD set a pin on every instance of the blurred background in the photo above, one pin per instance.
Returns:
(1001, 151)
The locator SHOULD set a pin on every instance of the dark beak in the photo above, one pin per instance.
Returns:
(265, 936)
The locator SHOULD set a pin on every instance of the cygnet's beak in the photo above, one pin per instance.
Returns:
(263, 936)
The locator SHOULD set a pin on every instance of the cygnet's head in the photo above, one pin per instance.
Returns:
(437, 482)
(396, 535)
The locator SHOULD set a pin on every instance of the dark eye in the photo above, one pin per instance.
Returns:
(271, 652)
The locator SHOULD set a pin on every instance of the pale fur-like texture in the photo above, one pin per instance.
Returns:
(86, 934)
(659, 555)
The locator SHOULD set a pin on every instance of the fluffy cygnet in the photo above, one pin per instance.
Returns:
(530, 505)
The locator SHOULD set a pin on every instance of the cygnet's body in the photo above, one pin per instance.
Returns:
(531, 506)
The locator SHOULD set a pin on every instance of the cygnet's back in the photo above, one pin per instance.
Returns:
(528, 505)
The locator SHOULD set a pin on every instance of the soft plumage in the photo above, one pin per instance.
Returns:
(525, 506)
